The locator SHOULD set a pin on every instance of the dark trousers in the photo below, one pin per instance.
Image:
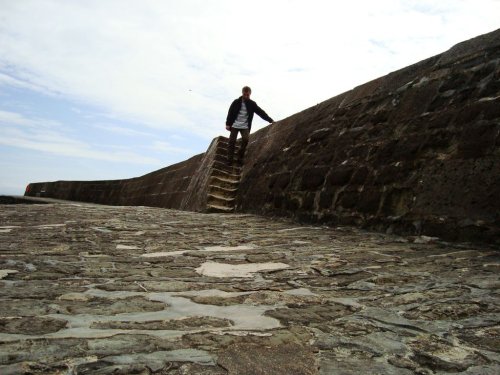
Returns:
(245, 133)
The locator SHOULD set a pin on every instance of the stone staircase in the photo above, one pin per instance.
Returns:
(223, 181)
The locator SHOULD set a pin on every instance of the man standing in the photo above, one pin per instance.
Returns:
(239, 119)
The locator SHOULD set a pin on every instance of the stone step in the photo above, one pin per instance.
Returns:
(224, 182)
(221, 160)
(221, 146)
(222, 165)
(220, 200)
(227, 175)
(223, 191)
(215, 209)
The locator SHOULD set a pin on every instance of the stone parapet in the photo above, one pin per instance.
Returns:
(166, 187)
(201, 183)
(416, 151)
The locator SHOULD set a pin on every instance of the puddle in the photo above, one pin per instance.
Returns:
(237, 270)
(243, 317)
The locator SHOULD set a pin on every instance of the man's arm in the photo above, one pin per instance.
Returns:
(262, 114)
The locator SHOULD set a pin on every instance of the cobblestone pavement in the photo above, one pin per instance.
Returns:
(88, 289)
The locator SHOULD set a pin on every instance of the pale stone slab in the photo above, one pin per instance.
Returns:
(5, 273)
(237, 270)
(126, 247)
(80, 297)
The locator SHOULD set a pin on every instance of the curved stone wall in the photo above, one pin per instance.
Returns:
(416, 151)
(163, 188)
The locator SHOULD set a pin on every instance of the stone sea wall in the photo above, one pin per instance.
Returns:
(416, 152)
(181, 186)
(163, 188)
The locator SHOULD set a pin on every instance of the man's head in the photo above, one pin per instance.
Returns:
(246, 92)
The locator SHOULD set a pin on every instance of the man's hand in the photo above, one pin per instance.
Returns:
(228, 128)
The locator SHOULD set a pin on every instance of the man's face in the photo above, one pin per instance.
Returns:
(246, 95)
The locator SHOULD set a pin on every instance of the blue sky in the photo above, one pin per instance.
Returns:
(108, 89)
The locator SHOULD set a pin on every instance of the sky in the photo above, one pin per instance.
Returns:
(112, 89)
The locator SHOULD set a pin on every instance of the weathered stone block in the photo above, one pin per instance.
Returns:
(313, 178)
(477, 140)
(388, 175)
(359, 176)
(292, 202)
(369, 201)
(340, 176)
(492, 88)
(308, 202)
(454, 80)
(360, 152)
(398, 202)
(492, 111)
(407, 148)
(349, 199)
(320, 135)
(326, 199)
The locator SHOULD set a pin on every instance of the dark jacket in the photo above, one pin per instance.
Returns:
(252, 108)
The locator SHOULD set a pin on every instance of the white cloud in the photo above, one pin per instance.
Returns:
(178, 64)
(169, 148)
(6, 80)
(121, 130)
(37, 134)
(174, 66)
(8, 118)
